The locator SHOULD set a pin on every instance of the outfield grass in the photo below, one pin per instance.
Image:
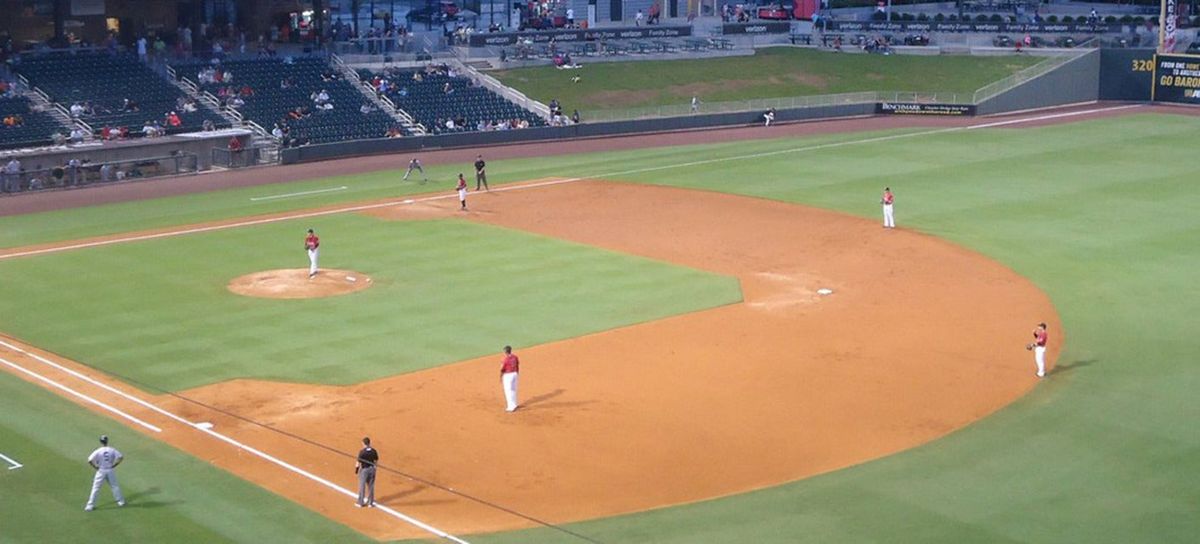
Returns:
(172, 496)
(1098, 214)
(770, 73)
(157, 312)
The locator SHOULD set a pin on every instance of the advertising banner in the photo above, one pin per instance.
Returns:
(990, 28)
(483, 39)
(1176, 79)
(911, 108)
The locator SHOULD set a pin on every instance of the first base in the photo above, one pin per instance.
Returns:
(409, 201)
(351, 279)
(823, 291)
(204, 425)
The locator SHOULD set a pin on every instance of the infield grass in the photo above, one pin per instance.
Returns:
(1096, 213)
(157, 312)
(770, 73)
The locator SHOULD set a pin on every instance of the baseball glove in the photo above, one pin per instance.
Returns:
(1028, 347)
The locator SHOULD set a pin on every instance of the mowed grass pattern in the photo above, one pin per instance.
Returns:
(172, 496)
(1097, 213)
(769, 73)
(1105, 450)
(158, 312)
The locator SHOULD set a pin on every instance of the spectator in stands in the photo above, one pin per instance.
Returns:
(277, 132)
(395, 132)
(58, 138)
(73, 176)
(122, 133)
(77, 135)
(365, 109)
(160, 49)
(189, 106)
(141, 48)
(447, 89)
(173, 120)
(5, 89)
(574, 118)
(235, 144)
(13, 121)
(12, 176)
(208, 126)
(106, 172)
(235, 102)
(76, 110)
(637, 19)
(128, 105)
(655, 12)
(106, 133)
(149, 130)
(450, 124)
(246, 91)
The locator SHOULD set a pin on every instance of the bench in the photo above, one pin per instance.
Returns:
(806, 39)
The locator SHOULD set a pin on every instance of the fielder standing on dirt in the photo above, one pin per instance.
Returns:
(1040, 338)
(889, 218)
(312, 246)
(415, 164)
(480, 173)
(462, 191)
(365, 469)
(510, 369)
(105, 461)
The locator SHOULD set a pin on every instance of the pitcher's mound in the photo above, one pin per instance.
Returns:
(295, 283)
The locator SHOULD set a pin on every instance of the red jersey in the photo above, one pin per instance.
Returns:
(888, 197)
(1041, 336)
(511, 364)
(462, 184)
(312, 242)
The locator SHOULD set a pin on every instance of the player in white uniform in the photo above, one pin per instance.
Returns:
(104, 460)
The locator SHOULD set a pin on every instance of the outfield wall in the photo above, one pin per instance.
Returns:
(1076, 81)
(583, 130)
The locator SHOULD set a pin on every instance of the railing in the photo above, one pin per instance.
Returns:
(227, 158)
(259, 129)
(1023, 76)
(96, 173)
(509, 93)
(763, 104)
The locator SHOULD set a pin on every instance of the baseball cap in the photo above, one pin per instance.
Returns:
(104, 439)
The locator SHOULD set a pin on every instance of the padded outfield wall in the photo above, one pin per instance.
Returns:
(1103, 74)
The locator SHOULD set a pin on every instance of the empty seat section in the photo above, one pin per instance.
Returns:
(106, 81)
(437, 97)
(279, 88)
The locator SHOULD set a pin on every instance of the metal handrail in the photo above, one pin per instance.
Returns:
(995, 88)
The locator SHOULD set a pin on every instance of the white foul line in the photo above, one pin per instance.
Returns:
(75, 393)
(244, 447)
(376, 205)
(301, 193)
(14, 465)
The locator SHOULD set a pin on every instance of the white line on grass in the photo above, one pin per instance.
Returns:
(13, 464)
(301, 193)
(363, 207)
(244, 447)
(75, 393)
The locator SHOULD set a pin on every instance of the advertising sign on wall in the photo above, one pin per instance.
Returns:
(1176, 79)
(913, 108)
(484, 39)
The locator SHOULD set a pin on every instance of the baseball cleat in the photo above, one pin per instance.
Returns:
(120, 503)
(87, 508)
(358, 505)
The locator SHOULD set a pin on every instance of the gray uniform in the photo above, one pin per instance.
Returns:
(105, 459)
(367, 459)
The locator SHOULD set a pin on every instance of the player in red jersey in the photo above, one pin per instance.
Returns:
(1040, 338)
(889, 219)
(462, 191)
(510, 368)
(311, 245)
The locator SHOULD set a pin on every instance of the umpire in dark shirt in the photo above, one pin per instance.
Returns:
(480, 173)
(365, 469)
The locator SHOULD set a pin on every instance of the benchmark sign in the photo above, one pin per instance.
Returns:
(913, 108)
(572, 36)
(1016, 28)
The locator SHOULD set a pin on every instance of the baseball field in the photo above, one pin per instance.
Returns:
(684, 379)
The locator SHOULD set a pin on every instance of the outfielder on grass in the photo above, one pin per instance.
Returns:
(105, 460)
